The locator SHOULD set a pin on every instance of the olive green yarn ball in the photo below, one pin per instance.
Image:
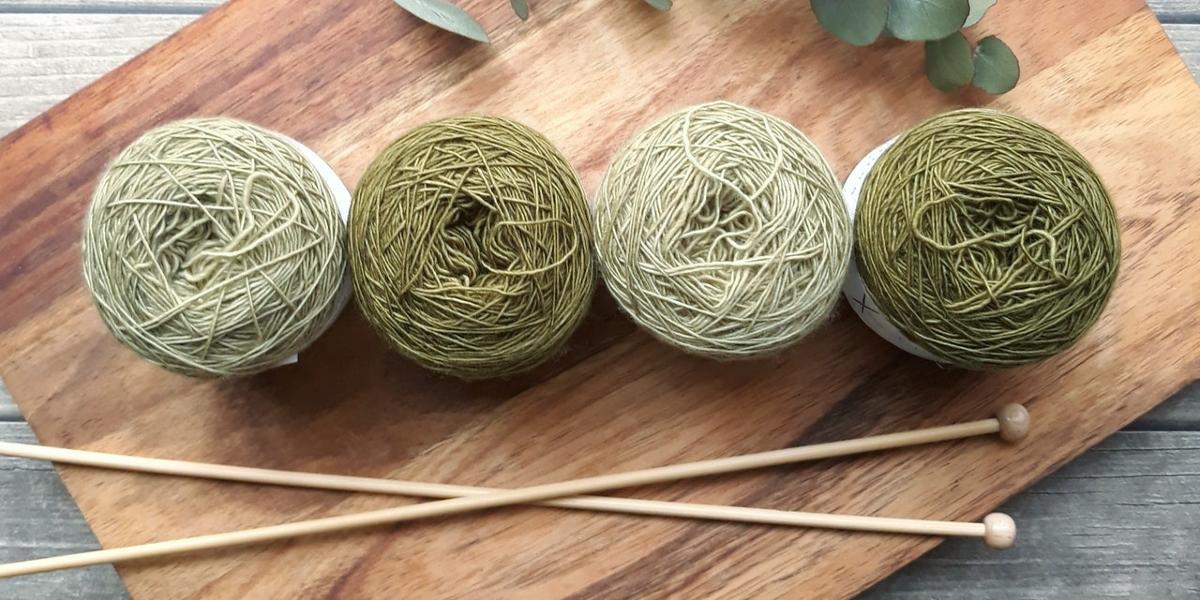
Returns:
(987, 239)
(212, 247)
(721, 230)
(470, 247)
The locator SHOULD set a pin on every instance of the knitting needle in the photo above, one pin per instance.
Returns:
(409, 488)
(997, 530)
(1011, 421)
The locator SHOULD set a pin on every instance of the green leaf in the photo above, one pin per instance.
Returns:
(522, 9)
(948, 62)
(926, 20)
(441, 13)
(978, 8)
(996, 67)
(663, 5)
(857, 22)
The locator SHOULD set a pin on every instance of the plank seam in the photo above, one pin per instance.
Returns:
(147, 8)
(1183, 18)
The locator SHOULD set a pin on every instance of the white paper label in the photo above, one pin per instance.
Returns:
(854, 289)
(341, 197)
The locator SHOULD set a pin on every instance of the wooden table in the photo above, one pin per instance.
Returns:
(1120, 521)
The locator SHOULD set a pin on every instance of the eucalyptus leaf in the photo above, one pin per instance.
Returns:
(857, 22)
(978, 8)
(521, 8)
(663, 5)
(996, 67)
(948, 63)
(926, 20)
(441, 13)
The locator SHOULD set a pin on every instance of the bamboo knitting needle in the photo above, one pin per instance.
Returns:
(1011, 422)
(407, 488)
(997, 530)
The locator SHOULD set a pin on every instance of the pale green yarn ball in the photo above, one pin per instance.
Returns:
(213, 247)
(721, 230)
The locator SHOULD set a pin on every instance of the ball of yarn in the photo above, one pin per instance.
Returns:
(987, 239)
(212, 247)
(722, 231)
(470, 246)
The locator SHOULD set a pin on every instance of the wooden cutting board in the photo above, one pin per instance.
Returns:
(347, 77)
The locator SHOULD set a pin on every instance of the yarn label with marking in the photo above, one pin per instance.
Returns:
(341, 197)
(854, 288)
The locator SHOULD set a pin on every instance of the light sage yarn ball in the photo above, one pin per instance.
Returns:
(721, 230)
(212, 247)
(470, 247)
(987, 239)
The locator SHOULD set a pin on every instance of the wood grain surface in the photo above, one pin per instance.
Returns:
(347, 77)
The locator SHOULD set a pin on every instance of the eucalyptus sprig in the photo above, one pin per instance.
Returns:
(445, 15)
(950, 63)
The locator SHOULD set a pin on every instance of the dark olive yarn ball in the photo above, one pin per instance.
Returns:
(987, 239)
(470, 247)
